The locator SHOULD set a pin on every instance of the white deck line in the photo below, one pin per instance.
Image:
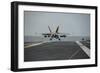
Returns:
(84, 48)
(74, 54)
(34, 44)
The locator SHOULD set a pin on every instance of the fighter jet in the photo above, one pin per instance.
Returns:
(55, 34)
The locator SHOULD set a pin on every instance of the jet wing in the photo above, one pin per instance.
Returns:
(63, 34)
(46, 34)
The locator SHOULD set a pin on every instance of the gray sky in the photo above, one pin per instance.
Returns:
(75, 23)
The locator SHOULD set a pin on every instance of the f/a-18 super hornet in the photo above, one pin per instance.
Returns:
(55, 34)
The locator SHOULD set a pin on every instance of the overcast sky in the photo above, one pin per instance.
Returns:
(37, 22)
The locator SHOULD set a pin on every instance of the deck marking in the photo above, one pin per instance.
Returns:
(34, 44)
(84, 48)
(74, 54)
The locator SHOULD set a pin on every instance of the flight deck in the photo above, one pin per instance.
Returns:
(63, 50)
